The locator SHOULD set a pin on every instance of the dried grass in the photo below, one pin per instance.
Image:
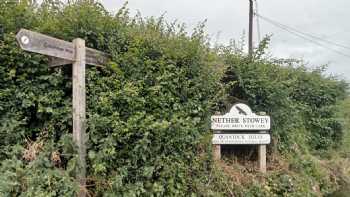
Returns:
(32, 150)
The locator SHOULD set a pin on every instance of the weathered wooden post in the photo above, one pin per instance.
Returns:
(217, 151)
(262, 156)
(79, 109)
(62, 52)
(217, 147)
(262, 152)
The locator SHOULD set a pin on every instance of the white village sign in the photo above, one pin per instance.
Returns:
(240, 117)
(244, 138)
(62, 52)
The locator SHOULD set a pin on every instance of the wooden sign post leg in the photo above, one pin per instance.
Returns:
(79, 111)
(217, 151)
(262, 156)
(217, 147)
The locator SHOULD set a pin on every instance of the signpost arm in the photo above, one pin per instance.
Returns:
(79, 111)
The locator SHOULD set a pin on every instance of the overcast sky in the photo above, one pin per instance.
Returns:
(229, 18)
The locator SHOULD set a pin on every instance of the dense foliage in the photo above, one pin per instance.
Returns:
(302, 103)
(148, 109)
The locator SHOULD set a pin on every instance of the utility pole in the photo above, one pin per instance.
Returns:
(250, 40)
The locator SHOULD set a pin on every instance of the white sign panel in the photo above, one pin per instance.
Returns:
(240, 117)
(252, 138)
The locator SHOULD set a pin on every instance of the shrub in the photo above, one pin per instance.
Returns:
(302, 102)
(146, 109)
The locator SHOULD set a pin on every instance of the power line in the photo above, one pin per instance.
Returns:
(304, 36)
(312, 41)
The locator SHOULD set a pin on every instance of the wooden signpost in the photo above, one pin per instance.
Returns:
(61, 53)
(241, 118)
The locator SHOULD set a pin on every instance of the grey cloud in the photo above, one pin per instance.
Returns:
(323, 18)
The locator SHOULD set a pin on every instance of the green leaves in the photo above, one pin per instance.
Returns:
(148, 109)
(301, 101)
